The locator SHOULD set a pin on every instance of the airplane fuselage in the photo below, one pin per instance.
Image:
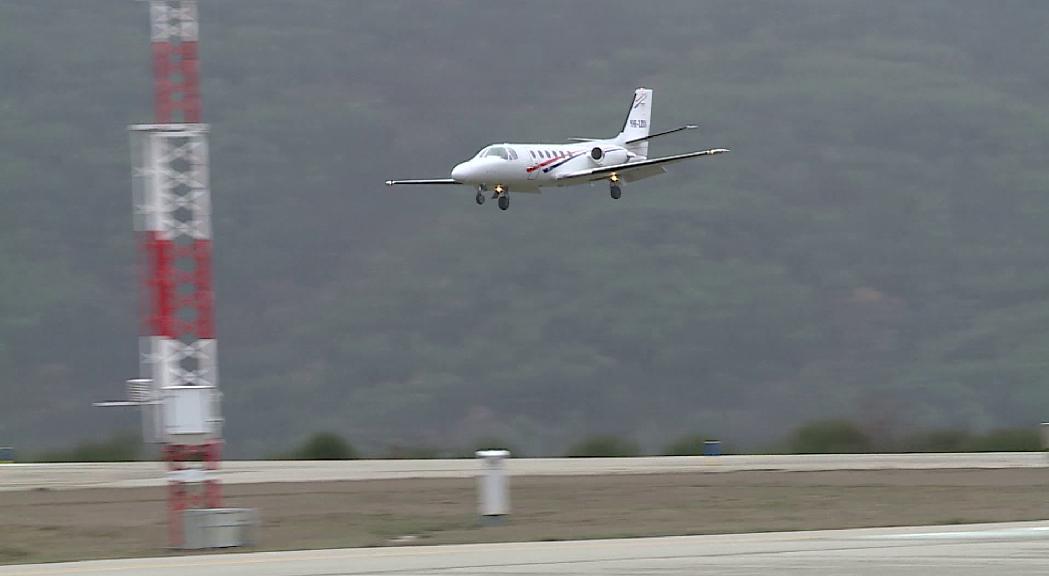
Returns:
(500, 168)
(527, 167)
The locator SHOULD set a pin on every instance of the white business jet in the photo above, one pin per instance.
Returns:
(500, 168)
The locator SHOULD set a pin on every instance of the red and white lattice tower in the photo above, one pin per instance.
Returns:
(172, 204)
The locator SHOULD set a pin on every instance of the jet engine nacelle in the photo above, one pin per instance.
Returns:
(607, 156)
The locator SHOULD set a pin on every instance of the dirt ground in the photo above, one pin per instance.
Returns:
(42, 526)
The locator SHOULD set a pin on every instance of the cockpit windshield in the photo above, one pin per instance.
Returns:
(498, 151)
(504, 152)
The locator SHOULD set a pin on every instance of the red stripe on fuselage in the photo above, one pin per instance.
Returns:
(531, 169)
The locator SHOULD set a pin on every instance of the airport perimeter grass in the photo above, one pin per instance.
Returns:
(42, 526)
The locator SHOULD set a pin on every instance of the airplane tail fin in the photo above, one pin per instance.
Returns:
(638, 120)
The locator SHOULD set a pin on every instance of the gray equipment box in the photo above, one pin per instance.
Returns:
(218, 528)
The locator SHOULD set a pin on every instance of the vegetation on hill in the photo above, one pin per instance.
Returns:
(874, 248)
(324, 446)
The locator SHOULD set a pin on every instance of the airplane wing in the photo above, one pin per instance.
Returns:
(636, 170)
(430, 181)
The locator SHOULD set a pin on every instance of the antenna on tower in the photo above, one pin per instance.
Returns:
(142, 394)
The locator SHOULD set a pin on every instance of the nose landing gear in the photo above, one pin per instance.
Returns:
(614, 189)
(504, 197)
(500, 193)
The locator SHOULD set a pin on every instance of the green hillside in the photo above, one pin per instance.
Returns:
(874, 248)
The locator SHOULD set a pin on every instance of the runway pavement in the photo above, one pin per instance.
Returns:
(1013, 549)
(139, 474)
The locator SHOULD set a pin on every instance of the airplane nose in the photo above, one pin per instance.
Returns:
(461, 172)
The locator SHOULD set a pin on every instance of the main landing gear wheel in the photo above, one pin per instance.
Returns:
(504, 201)
(613, 186)
(479, 198)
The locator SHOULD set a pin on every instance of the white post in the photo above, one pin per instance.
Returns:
(493, 490)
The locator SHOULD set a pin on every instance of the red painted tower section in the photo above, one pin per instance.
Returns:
(173, 222)
(176, 68)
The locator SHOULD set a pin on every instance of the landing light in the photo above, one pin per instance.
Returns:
(614, 177)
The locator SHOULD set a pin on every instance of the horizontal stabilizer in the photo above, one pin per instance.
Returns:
(651, 136)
